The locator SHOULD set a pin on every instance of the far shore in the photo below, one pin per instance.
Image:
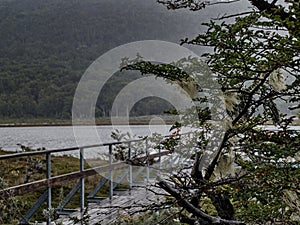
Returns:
(142, 120)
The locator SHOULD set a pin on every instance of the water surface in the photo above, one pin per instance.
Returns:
(54, 137)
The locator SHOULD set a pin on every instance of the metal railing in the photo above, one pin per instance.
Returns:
(80, 175)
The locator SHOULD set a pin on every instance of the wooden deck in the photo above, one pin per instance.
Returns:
(124, 202)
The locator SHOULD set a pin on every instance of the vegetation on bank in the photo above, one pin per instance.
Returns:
(46, 46)
(133, 120)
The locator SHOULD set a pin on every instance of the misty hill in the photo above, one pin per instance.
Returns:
(45, 47)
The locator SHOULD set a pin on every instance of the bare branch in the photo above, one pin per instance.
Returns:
(233, 15)
(192, 209)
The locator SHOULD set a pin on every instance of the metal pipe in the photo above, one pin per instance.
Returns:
(111, 185)
(147, 168)
(81, 181)
(49, 198)
(130, 166)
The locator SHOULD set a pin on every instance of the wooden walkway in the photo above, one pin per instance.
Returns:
(124, 202)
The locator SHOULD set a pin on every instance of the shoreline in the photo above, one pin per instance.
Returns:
(70, 124)
(145, 120)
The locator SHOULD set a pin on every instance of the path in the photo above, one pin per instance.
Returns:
(105, 211)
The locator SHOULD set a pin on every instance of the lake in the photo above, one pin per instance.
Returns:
(54, 137)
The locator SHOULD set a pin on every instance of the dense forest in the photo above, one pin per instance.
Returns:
(45, 47)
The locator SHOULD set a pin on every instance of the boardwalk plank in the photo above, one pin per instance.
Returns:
(106, 211)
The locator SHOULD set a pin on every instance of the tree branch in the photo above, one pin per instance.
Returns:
(232, 15)
(192, 209)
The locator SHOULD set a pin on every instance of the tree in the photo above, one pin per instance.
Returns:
(255, 60)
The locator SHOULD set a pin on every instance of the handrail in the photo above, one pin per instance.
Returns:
(59, 179)
(42, 152)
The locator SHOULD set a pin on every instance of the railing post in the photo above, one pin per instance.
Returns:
(111, 185)
(147, 168)
(81, 181)
(130, 166)
(159, 158)
(49, 198)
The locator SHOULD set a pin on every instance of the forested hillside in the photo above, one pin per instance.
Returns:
(45, 47)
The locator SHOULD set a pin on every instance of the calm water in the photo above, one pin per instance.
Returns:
(67, 136)
(64, 136)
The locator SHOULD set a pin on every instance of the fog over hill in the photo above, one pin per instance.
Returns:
(45, 46)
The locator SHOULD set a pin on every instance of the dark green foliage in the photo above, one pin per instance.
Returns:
(147, 106)
(252, 174)
(45, 47)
